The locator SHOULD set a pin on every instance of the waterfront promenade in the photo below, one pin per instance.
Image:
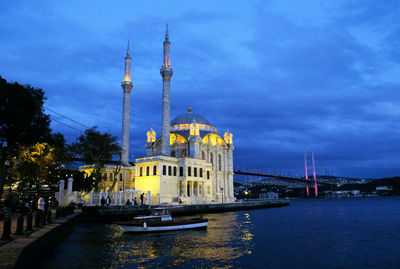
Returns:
(23, 250)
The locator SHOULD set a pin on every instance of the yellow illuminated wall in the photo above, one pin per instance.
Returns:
(146, 184)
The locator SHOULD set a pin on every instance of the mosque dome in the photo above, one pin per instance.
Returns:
(188, 118)
(181, 124)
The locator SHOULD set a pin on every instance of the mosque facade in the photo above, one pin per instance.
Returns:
(190, 162)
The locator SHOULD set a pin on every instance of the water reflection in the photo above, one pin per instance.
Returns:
(246, 229)
(316, 233)
(229, 236)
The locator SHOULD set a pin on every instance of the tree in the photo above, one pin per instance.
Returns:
(34, 164)
(95, 149)
(22, 124)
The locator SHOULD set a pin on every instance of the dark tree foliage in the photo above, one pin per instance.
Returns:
(95, 149)
(82, 182)
(22, 121)
(23, 124)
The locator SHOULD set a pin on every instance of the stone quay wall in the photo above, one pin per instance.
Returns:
(24, 252)
(112, 213)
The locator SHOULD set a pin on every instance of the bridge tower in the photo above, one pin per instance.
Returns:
(307, 168)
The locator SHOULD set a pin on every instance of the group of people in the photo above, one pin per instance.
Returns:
(23, 203)
(107, 202)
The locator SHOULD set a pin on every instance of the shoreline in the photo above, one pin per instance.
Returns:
(113, 213)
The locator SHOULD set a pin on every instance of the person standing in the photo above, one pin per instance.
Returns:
(134, 201)
(41, 204)
(108, 201)
(141, 198)
(102, 201)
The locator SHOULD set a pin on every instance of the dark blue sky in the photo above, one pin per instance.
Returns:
(285, 77)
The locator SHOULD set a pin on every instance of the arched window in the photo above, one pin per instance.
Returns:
(164, 170)
(208, 174)
(195, 171)
(189, 171)
(201, 172)
(203, 155)
(181, 171)
(219, 162)
(140, 171)
(120, 177)
(147, 171)
(154, 170)
(169, 170)
(175, 171)
(111, 176)
(173, 153)
(211, 158)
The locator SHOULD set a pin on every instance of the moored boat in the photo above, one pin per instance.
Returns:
(161, 220)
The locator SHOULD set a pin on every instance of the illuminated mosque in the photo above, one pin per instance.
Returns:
(189, 163)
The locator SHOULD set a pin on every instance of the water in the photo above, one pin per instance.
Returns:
(323, 233)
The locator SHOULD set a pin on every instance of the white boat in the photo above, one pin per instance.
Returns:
(160, 220)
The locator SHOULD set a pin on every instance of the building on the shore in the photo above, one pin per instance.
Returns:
(189, 163)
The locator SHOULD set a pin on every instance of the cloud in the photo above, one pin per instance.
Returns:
(285, 78)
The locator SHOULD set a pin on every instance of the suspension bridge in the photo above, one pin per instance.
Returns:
(309, 164)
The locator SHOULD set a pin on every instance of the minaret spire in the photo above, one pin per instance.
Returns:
(166, 34)
(128, 53)
(128, 61)
(166, 73)
(127, 87)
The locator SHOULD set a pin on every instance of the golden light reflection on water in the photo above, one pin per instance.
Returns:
(247, 236)
(228, 237)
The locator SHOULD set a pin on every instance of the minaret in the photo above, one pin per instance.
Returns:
(166, 73)
(127, 87)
